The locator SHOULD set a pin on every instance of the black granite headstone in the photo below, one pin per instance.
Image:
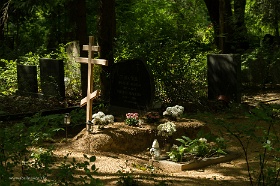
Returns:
(27, 79)
(52, 77)
(132, 85)
(224, 71)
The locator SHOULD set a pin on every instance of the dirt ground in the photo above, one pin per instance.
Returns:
(123, 148)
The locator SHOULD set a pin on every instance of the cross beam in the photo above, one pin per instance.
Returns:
(90, 61)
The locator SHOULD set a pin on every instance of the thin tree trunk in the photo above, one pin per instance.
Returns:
(232, 32)
(106, 34)
(3, 19)
(78, 19)
(213, 11)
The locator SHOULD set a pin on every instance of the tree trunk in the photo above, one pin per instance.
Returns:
(225, 26)
(79, 32)
(213, 11)
(240, 38)
(2, 22)
(106, 34)
(1, 33)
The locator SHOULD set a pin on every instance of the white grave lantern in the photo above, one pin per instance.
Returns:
(155, 150)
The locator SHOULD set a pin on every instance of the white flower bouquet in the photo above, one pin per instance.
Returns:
(166, 129)
(174, 112)
(101, 119)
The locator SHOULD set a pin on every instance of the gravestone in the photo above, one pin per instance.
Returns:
(52, 77)
(224, 71)
(132, 85)
(27, 79)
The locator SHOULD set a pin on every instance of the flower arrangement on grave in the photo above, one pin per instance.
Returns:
(132, 119)
(166, 129)
(101, 119)
(152, 117)
(196, 149)
(174, 112)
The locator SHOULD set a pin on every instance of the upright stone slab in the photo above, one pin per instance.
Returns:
(132, 85)
(27, 79)
(52, 77)
(224, 71)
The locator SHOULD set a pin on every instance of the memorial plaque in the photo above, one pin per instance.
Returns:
(132, 85)
(52, 77)
(224, 71)
(27, 79)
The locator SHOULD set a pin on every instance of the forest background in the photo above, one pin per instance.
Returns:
(172, 36)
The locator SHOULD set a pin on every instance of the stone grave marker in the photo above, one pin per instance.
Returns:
(224, 76)
(27, 79)
(52, 77)
(132, 85)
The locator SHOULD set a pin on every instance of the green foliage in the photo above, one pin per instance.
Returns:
(265, 14)
(259, 65)
(43, 127)
(77, 117)
(30, 59)
(66, 172)
(125, 177)
(71, 68)
(265, 135)
(196, 148)
(132, 119)
(24, 161)
(131, 122)
(156, 31)
(8, 77)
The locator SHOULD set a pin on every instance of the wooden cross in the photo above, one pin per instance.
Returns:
(90, 61)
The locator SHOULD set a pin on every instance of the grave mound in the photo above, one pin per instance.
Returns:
(121, 138)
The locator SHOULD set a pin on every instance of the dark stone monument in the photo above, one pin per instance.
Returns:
(132, 85)
(27, 79)
(224, 76)
(52, 77)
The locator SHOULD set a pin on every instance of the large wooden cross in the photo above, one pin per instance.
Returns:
(90, 61)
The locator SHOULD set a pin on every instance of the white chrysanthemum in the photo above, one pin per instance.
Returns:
(202, 140)
(109, 119)
(166, 129)
(175, 111)
(98, 115)
(101, 119)
(96, 121)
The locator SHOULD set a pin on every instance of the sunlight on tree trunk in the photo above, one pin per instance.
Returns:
(79, 32)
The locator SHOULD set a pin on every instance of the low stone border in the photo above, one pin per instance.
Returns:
(170, 166)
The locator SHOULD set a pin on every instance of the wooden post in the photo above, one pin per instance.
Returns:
(90, 61)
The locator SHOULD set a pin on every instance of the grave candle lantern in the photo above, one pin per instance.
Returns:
(67, 120)
(89, 126)
(155, 150)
